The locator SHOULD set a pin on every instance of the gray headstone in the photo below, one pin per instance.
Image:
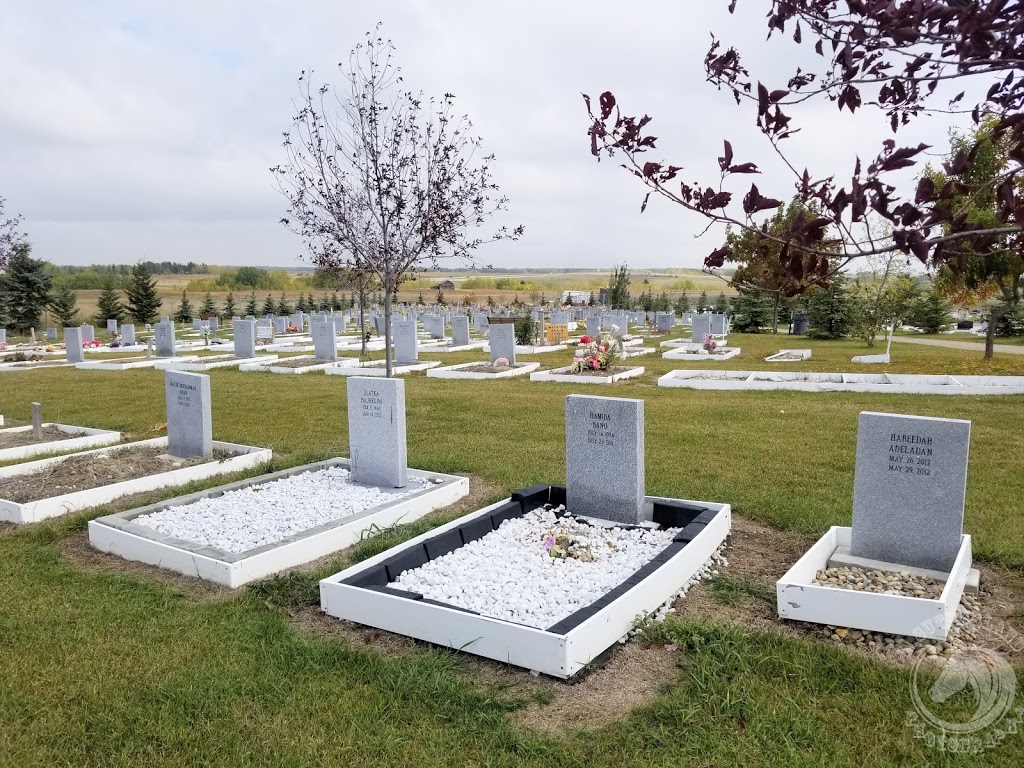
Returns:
(325, 343)
(128, 335)
(376, 430)
(3, 335)
(593, 327)
(88, 333)
(196, 323)
(297, 320)
(165, 340)
(665, 321)
(718, 325)
(406, 345)
(700, 328)
(604, 457)
(189, 414)
(73, 342)
(245, 338)
(214, 323)
(339, 324)
(502, 341)
(460, 331)
(909, 488)
(280, 324)
(111, 325)
(51, 334)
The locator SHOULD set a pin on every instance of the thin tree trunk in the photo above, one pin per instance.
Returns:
(990, 334)
(362, 318)
(387, 332)
(775, 313)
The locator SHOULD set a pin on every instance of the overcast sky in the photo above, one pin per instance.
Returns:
(136, 130)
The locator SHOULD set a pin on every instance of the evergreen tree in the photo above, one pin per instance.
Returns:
(250, 306)
(229, 307)
(663, 304)
(64, 307)
(618, 290)
(683, 304)
(831, 310)
(440, 297)
(108, 305)
(283, 307)
(930, 312)
(591, 301)
(721, 304)
(335, 303)
(185, 311)
(269, 306)
(143, 302)
(300, 304)
(24, 289)
(209, 305)
(751, 310)
(491, 302)
(702, 302)
(420, 300)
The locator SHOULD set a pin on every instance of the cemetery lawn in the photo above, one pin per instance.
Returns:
(105, 663)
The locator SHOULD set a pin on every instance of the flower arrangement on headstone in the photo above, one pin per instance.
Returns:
(501, 362)
(596, 354)
(709, 344)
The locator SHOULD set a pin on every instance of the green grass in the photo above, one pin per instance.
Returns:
(99, 668)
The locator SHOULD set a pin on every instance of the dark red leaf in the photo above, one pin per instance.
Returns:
(607, 104)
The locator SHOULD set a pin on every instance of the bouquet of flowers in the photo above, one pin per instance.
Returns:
(292, 329)
(597, 355)
(710, 345)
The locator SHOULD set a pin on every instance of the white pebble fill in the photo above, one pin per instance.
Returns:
(244, 519)
(508, 574)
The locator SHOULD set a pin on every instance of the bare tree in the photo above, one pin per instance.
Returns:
(10, 235)
(383, 180)
(886, 55)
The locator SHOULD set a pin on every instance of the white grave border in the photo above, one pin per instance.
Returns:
(88, 438)
(558, 655)
(118, 535)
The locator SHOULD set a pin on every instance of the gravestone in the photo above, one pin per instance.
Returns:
(111, 326)
(88, 332)
(376, 430)
(593, 327)
(460, 331)
(339, 324)
(800, 324)
(297, 321)
(73, 342)
(909, 488)
(214, 323)
(245, 338)
(604, 457)
(197, 323)
(502, 341)
(51, 334)
(700, 327)
(719, 325)
(128, 335)
(325, 343)
(165, 340)
(665, 321)
(406, 344)
(280, 324)
(189, 414)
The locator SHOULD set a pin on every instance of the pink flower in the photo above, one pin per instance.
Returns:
(549, 543)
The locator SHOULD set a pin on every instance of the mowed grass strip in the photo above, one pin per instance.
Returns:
(101, 668)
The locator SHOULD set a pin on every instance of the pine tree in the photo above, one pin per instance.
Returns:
(420, 300)
(209, 306)
(24, 289)
(143, 302)
(751, 310)
(702, 302)
(283, 307)
(185, 311)
(64, 306)
(269, 306)
(591, 302)
(108, 305)
(721, 304)
(250, 305)
(229, 307)
(930, 312)
(683, 304)
(618, 290)
(832, 311)
(440, 297)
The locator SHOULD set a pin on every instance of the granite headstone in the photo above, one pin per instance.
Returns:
(189, 414)
(128, 335)
(460, 331)
(699, 328)
(325, 343)
(406, 344)
(165, 340)
(245, 338)
(502, 341)
(73, 343)
(376, 430)
(604, 457)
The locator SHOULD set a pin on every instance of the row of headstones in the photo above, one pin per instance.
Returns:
(708, 325)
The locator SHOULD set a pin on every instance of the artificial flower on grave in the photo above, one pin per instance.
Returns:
(596, 354)
(563, 546)
(502, 362)
(292, 329)
(710, 345)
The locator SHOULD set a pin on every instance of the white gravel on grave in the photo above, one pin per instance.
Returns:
(508, 574)
(244, 519)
